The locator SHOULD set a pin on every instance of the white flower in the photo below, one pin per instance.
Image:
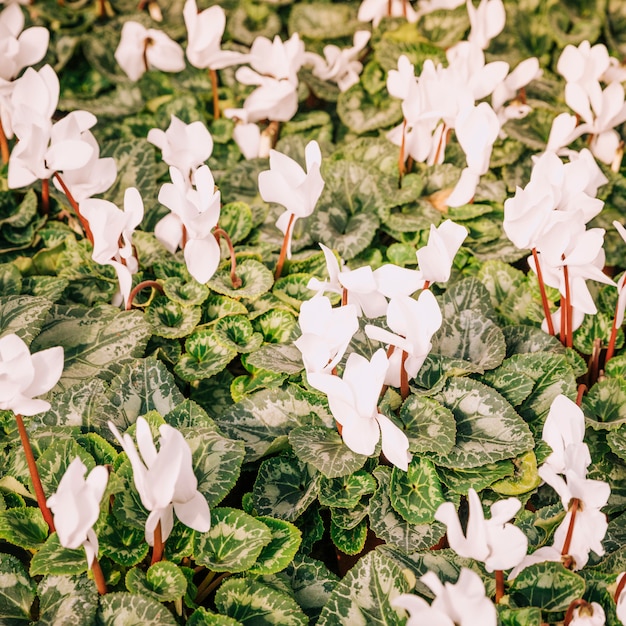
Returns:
(287, 184)
(588, 615)
(205, 30)
(340, 65)
(279, 59)
(183, 146)
(76, 507)
(141, 49)
(435, 259)
(24, 376)
(326, 333)
(353, 401)
(486, 21)
(507, 90)
(621, 300)
(374, 11)
(495, 542)
(165, 479)
(247, 135)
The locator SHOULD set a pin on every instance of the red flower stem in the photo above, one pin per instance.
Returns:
(581, 392)
(620, 588)
(102, 11)
(593, 367)
(426, 285)
(569, 311)
(611, 348)
(234, 279)
(283, 250)
(401, 169)
(45, 196)
(216, 96)
(442, 141)
(569, 615)
(544, 295)
(157, 549)
(98, 577)
(404, 11)
(575, 503)
(34, 473)
(4, 145)
(404, 377)
(142, 285)
(563, 331)
(84, 223)
(204, 591)
(499, 585)
(384, 388)
(344, 297)
(389, 5)
(142, 5)
(146, 45)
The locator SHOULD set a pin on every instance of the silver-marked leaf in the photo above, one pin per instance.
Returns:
(24, 527)
(217, 307)
(57, 458)
(525, 478)
(346, 491)
(189, 414)
(467, 294)
(293, 289)
(349, 540)
(605, 404)
(254, 604)
(500, 279)
(277, 358)
(391, 527)
(17, 591)
(50, 287)
(202, 617)
(429, 426)
(67, 601)
(10, 280)
(547, 585)
(478, 478)
(416, 494)
(205, 356)
(170, 319)
(92, 339)
(364, 595)
(324, 449)
(487, 427)
(279, 552)
(216, 461)
(236, 220)
(323, 21)
(514, 385)
(123, 544)
(185, 293)
(529, 339)
(23, 315)
(234, 542)
(284, 488)
(361, 112)
(276, 325)
(264, 419)
(129, 609)
(164, 581)
(256, 280)
(236, 332)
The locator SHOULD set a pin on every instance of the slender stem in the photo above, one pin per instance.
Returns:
(102, 10)
(206, 581)
(384, 388)
(216, 96)
(620, 588)
(426, 285)
(401, 169)
(575, 503)
(389, 5)
(611, 348)
(98, 576)
(544, 295)
(404, 377)
(4, 145)
(593, 369)
(68, 194)
(142, 285)
(499, 585)
(184, 237)
(210, 588)
(234, 279)
(45, 196)
(34, 473)
(142, 5)
(569, 311)
(581, 392)
(283, 250)
(344, 297)
(569, 615)
(441, 144)
(563, 331)
(404, 10)
(159, 545)
(146, 45)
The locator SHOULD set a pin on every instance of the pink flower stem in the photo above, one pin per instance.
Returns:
(74, 205)
(544, 295)
(404, 377)
(234, 279)
(574, 505)
(4, 145)
(98, 577)
(569, 311)
(283, 250)
(34, 473)
(581, 392)
(216, 96)
(142, 285)
(159, 545)
(569, 614)
(499, 585)
(426, 285)
(443, 140)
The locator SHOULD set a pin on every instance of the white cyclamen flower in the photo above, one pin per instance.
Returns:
(435, 259)
(24, 375)
(165, 479)
(76, 507)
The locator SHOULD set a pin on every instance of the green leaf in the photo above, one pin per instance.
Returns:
(548, 586)
(478, 478)
(416, 494)
(205, 356)
(488, 428)
(324, 449)
(256, 280)
(202, 617)
(234, 542)
(525, 478)
(17, 592)
(364, 595)
(164, 581)
(528, 339)
(276, 325)
(284, 488)
(255, 604)
(236, 332)
(429, 426)
(277, 358)
(362, 113)
(236, 220)
(121, 543)
(346, 491)
(129, 609)
(92, 339)
(23, 315)
(293, 289)
(323, 21)
(391, 527)
(219, 306)
(185, 293)
(23, 527)
(279, 552)
(67, 601)
(170, 319)
(530, 616)
(605, 404)
(57, 458)
(264, 420)
(349, 540)
(10, 280)
(55, 560)
(50, 287)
